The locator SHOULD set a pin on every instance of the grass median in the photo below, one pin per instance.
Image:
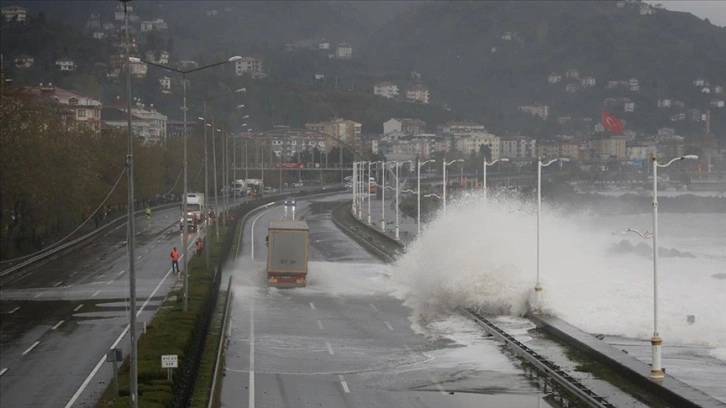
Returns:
(170, 332)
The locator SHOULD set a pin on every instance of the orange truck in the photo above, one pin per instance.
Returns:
(287, 253)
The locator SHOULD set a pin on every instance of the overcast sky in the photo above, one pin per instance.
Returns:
(714, 10)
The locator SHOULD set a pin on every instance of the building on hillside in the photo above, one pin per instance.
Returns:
(94, 22)
(640, 152)
(572, 73)
(629, 107)
(541, 111)
(23, 61)
(548, 149)
(386, 89)
(146, 26)
(554, 78)
(288, 144)
(250, 66)
(611, 146)
(65, 64)
(517, 147)
(418, 94)
(98, 35)
(406, 126)
(572, 87)
(634, 85)
(159, 24)
(108, 27)
(139, 69)
(472, 143)
(347, 131)
(77, 111)
(15, 14)
(588, 82)
(664, 103)
(324, 45)
(718, 89)
(165, 83)
(570, 150)
(344, 51)
(460, 127)
(175, 128)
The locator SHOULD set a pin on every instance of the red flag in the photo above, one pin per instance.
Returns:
(612, 123)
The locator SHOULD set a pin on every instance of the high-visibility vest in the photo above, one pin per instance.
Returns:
(174, 255)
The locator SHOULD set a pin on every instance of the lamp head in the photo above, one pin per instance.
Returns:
(134, 59)
(240, 90)
(240, 106)
(564, 159)
(690, 157)
(504, 159)
(235, 58)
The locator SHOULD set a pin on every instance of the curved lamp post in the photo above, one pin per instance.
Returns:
(484, 173)
(537, 287)
(444, 191)
(418, 194)
(656, 369)
(398, 225)
(184, 74)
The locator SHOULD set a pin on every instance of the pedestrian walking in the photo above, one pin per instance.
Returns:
(174, 260)
(148, 212)
(198, 246)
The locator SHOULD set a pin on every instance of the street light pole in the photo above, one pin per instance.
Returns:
(537, 287)
(369, 193)
(130, 230)
(418, 194)
(484, 174)
(656, 341)
(214, 161)
(444, 191)
(383, 198)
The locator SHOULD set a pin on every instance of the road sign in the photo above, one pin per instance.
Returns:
(169, 361)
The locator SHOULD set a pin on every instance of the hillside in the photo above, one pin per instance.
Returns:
(480, 60)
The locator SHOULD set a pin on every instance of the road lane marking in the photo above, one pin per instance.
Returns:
(373, 307)
(109, 282)
(147, 251)
(102, 360)
(139, 257)
(96, 293)
(57, 325)
(74, 274)
(251, 387)
(343, 383)
(14, 310)
(3, 371)
(37, 295)
(31, 348)
(78, 307)
(120, 273)
(388, 325)
(330, 348)
(57, 284)
(320, 324)
(312, 306)
(252, 241)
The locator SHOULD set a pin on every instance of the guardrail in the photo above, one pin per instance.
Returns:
(40, 258)
(560, 382)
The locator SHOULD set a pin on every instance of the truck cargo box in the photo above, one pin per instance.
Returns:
(287, 253)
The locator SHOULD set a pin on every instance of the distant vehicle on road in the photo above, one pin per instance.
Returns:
(349, 186)
(290, 202)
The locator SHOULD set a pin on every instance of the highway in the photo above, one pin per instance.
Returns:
(345, 340)
(58, 322)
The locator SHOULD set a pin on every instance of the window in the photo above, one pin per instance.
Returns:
(81, 113)
(73, 101)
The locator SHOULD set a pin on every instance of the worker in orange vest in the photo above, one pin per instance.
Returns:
(174, 260)
(198, 246)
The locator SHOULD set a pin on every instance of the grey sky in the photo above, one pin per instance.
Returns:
(714, 10)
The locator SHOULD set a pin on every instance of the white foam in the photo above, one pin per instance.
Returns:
(484, 256)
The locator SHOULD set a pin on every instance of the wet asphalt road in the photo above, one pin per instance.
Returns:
(344, 341)
(58, 322)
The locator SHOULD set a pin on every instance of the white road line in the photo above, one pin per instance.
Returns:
(438, 386)
(120, 273)
(88, 379)
(320, 324)
(251, 387)
(78, 307)
(388, 325)
(343, 383)
(3, 371)
(330, 348)
(373, 307)
(312, 306)
(139, 257)
(147, 251)
(252, 241)
(57, 325)
(14, 310)
(37, 295)
(31, 348)
(96, 293)
(57, 284)
(74, 274)
(109, 282)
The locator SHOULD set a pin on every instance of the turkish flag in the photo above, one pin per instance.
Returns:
(612, 123)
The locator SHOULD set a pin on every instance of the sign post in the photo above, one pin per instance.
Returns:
(169, 361)
(115, 355)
